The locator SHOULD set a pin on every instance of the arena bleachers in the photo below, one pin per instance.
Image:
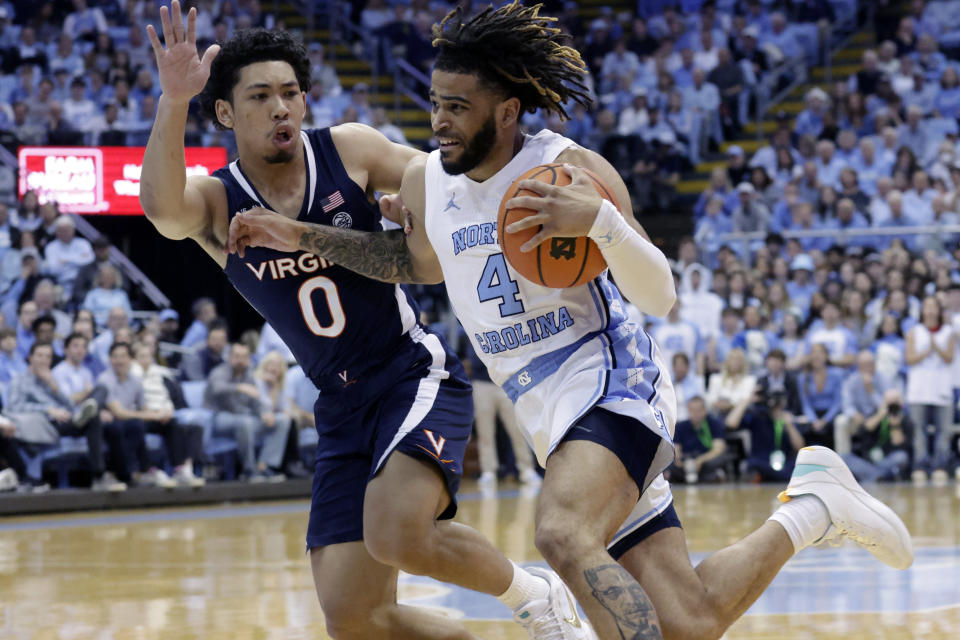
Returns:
(810, 148)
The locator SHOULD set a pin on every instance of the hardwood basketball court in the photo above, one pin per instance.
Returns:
(240, 572)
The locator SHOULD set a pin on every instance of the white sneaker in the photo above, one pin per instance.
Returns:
(487, 479)
(184, 477)
(530, 478)
(84, 413)
(555, 618)
(854, 513)
(919, 478)
(108, 482)
(8, 480)
(939, 478)
(157, 478)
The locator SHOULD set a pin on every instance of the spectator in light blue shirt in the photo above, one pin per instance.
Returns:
(621, 62)
(782, 37)
(828, 164)
(810, 120)
(11, 363)
(922, 94)
(898, 218)
(821, 393)
(708, 229)
(683, 76)
(801, 286)
(803, 218)
(913, 134)
(204, 312)
(719, 186)
(704, 99)
(106, 295)
(848, 219)
(947, 102)
(928, 59)
(868, 166)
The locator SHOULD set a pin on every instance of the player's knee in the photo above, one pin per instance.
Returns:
(399, 544)
(561, 541)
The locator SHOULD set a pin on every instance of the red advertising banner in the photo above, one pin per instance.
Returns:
(99, 179)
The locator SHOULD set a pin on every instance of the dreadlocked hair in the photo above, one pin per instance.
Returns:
(517, 49)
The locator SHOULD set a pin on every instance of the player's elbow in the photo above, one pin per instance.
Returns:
(661, 298)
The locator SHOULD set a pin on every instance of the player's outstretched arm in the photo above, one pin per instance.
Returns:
(640, 269)
(389, 256)
(178, 207)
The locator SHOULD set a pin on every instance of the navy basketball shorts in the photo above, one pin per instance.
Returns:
(418, 402)
(636, 447)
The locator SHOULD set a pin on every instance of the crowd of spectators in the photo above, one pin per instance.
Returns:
(774, 343)
(111, 385)
(669, 80)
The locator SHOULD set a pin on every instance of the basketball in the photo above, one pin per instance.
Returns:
(558, 263)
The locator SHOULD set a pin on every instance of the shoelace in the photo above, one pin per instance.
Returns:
(548, 627)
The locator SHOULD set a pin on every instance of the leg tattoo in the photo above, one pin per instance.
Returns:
(626, 601)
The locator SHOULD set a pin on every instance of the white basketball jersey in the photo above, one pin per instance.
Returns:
(555, 352)
(531, 337)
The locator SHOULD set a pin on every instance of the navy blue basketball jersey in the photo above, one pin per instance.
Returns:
(335, 321)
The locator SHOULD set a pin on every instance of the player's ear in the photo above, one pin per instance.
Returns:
(509, 112)
(224, 113)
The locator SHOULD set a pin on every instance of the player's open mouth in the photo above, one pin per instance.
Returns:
(447, 144)
(283, 136)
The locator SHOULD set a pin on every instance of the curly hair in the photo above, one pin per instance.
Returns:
(246, 47)
(514, 48)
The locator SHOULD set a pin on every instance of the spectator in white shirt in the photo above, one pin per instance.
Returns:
(84, 22)
(78, 110)
(66, 253)
(707, 58)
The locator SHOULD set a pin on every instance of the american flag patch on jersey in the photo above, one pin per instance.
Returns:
(332, 201)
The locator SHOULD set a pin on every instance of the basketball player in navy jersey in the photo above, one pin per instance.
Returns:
(590, 390)
(394, 411)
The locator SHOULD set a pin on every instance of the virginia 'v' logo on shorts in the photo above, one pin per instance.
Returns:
(437, 442)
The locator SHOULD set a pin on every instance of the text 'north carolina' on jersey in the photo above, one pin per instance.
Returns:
(334, 320)
(556, 352)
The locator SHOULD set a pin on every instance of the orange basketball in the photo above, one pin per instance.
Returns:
(558, 263)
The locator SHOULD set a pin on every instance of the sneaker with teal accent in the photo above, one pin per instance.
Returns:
(554, 617)
(854, 513)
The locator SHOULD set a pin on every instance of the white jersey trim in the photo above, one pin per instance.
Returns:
(311, 175)
(426, 392)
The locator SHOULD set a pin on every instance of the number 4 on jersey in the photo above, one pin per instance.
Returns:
(496, 284)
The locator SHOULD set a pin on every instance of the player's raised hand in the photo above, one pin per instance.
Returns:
(183, 73)
(567, 211)
(263, 228)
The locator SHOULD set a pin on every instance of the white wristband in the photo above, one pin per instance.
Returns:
(609, 227)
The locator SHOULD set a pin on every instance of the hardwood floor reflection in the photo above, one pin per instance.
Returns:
(240, 572)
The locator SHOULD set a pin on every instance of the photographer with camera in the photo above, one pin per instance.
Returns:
(880, 446)
(774, 439)
(701, 451)
(863, 392)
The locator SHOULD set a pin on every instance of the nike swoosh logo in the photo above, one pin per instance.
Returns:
(575, 620)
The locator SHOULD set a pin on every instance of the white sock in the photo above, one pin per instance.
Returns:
(524, 588)
(805, 519)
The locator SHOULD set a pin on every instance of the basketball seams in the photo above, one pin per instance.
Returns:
(560, 271)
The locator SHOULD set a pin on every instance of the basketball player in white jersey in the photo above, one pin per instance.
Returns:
(590, 389)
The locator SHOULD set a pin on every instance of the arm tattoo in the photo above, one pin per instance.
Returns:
(381, 255)
(626, 601)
